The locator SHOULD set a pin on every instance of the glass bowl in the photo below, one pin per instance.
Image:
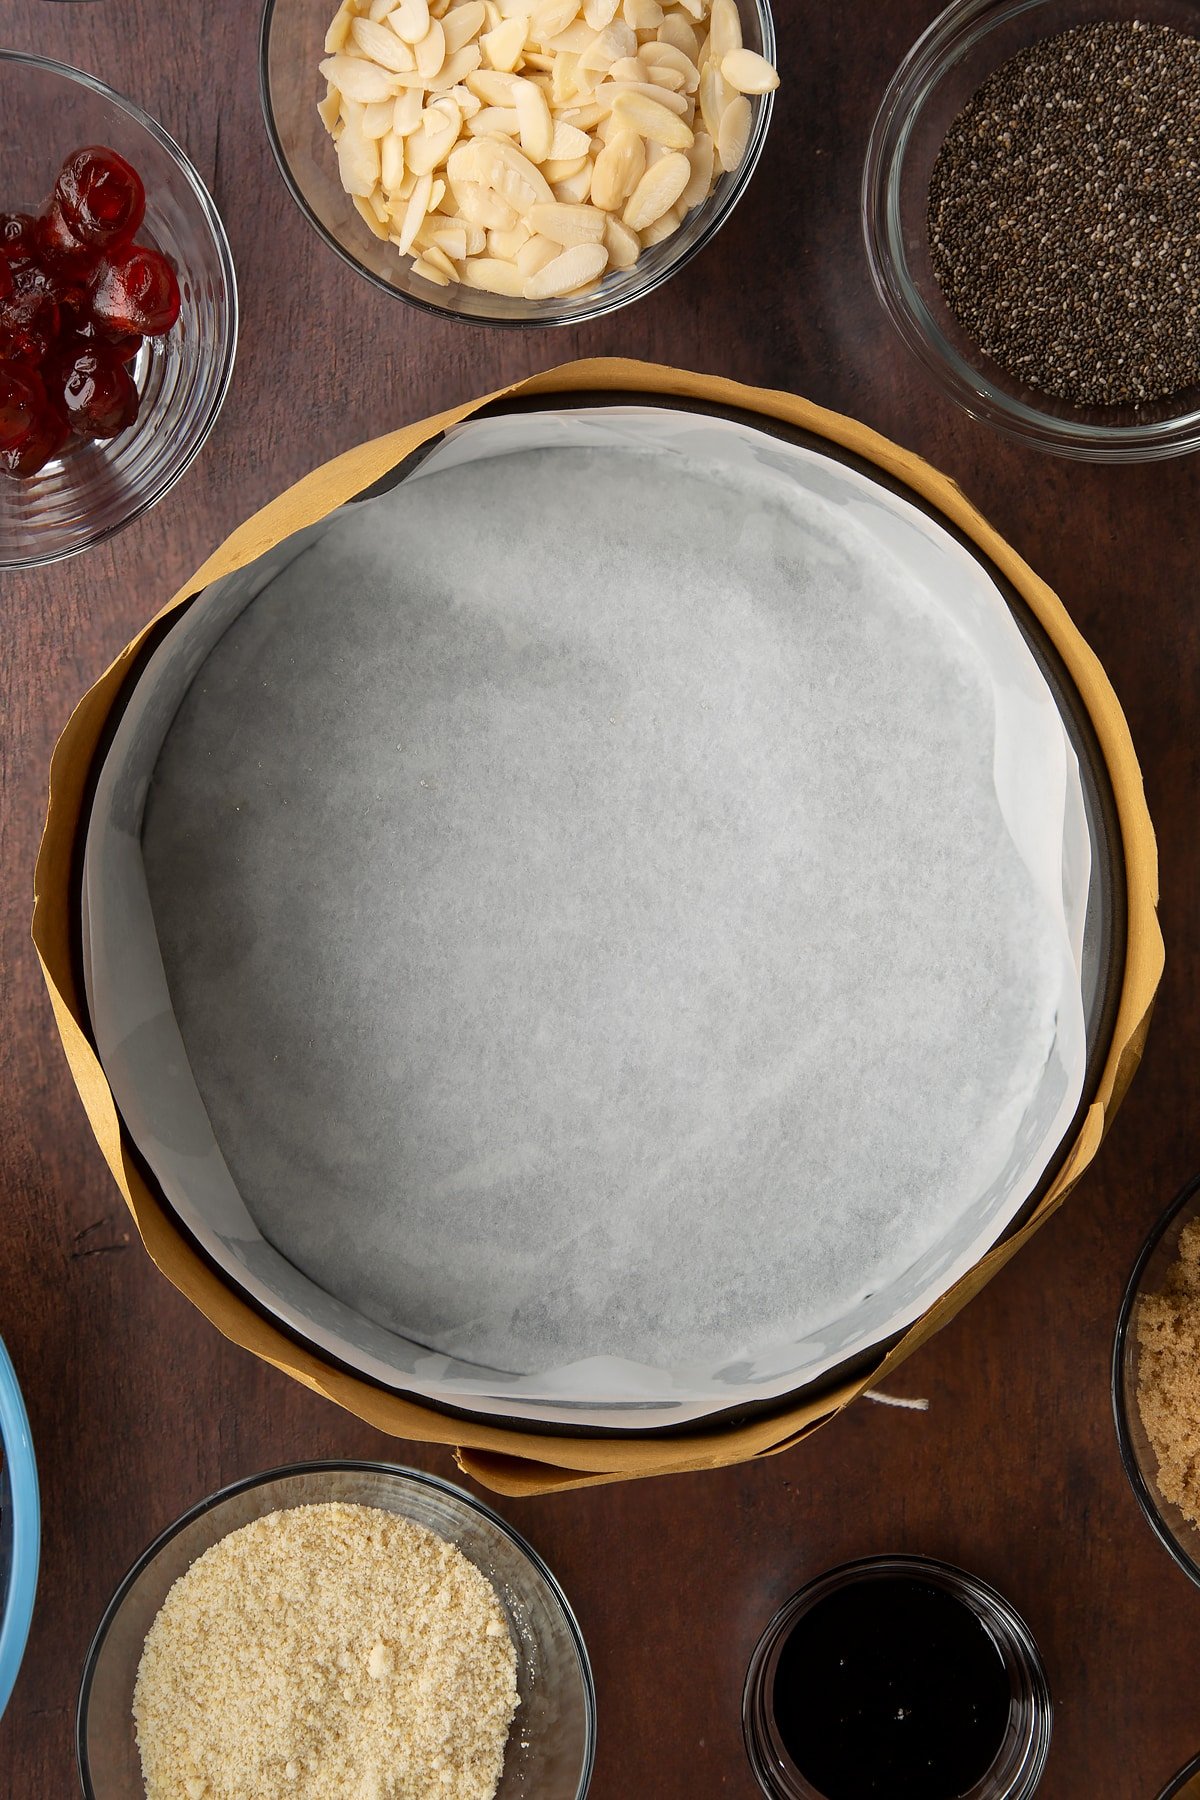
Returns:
(551, 1748)
(1179, 1536)
(1021, 1759)
(292, 46)
(1186, 1785)
(20, 1528)
(940, 74)
(94, 489)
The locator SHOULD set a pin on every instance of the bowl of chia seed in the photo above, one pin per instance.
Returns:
(1031, 208)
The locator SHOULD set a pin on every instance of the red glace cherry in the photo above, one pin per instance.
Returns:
(135, 291)
(95, 390)
(22, 402)
(59, 250)
(78, 297)
(43, 441)
(100, 198)
(29, 317)
(16, 237)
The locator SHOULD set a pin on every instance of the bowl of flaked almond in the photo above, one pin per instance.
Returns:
(518, 162)
(1156, 1379)
(333, 1629)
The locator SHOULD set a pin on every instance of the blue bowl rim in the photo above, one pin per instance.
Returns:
(327, 1466)
(21, 1469)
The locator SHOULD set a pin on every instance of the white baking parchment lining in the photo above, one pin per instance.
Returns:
(623, 891)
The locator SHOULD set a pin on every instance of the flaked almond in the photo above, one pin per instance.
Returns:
(461, 24)
(609, 92)
(482, 206)
(650, 119)
(749, 72)
(502, 46)
(410, 20)
(724, 29)
(676, 30)
(391, 154)
(494, 276)
(702, 157)
(377, 118)
(358, 80)
(358, 157)
(423, 266)
(568, 225)
(415, 209)
(382, 46)
(734, 133)
(369, 216)
(557, 172)
(662, 228)
(657, 191)
(535, 254)
(715, 95)
(623, 246)
(664, 58)
(430, 53)
(339, 29)
(534, 121)
(568, 141)
(618, 169)
(573, 269)
(576, 189)
(642, 15)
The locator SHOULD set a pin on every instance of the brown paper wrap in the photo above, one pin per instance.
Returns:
(521, 1462)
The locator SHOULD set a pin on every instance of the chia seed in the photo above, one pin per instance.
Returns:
(1064, 215)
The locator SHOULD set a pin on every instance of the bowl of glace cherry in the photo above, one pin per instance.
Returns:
(118, 311)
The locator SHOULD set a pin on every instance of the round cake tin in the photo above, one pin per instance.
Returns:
(1186, 1785)
(1103, 962)
(1021, 1759)
(1176, 1533)
(552, 1743)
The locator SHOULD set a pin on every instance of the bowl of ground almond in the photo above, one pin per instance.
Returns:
(1031, 208)
(338, 1629)
(1156, 1379)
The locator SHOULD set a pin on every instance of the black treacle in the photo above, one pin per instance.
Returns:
(891, 1687)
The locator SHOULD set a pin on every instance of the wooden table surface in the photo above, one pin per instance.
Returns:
(138, 1406)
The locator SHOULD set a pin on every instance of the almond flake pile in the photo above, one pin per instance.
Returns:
(330, 1652)
(527, 147)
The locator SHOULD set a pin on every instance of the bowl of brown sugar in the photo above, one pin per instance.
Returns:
(1156, 1379)
(1031, 208)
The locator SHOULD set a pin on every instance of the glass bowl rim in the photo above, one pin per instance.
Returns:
(333, 1466)
(1186, 1196)
(21, 1470)
(602, 305)
(162, 486)
(964, 25)
(995, 1608)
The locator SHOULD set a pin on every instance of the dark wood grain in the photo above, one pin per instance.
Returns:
(139, 1408)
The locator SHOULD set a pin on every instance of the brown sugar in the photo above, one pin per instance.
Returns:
(1168, 1328)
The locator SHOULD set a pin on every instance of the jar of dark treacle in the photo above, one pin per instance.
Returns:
(897, 1678)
